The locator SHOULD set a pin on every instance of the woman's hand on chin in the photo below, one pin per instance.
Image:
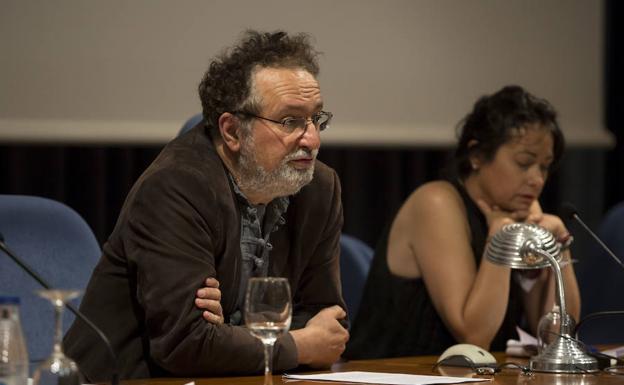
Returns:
(535, 213)
(495, 216)
(550, 222)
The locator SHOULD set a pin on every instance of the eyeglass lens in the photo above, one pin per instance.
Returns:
(319, 120)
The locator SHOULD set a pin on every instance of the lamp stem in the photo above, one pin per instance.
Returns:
(563, 325)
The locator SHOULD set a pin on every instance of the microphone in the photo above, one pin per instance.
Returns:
(568, 211)
(72, 308)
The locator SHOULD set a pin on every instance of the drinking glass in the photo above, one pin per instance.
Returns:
(268, 312)
(549, 327)
(58, 369)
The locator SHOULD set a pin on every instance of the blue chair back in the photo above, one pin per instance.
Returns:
(59, 245)
(355, 260)
(190, 123)
(602, 282)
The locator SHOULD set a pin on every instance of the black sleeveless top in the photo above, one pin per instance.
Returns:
(397, 317)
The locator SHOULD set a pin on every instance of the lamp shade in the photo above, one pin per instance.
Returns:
(515, 243)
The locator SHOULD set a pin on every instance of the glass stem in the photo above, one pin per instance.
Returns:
(58, 328)
(268, 364)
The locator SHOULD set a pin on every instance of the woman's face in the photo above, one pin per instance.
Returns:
(515, 177)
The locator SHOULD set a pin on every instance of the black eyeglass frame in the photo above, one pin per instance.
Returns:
(314, 119)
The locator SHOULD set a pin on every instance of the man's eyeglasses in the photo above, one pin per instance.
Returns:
(320, 120)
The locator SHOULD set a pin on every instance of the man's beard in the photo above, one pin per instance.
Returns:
(284, 180)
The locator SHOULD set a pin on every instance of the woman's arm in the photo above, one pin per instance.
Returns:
(432, 231)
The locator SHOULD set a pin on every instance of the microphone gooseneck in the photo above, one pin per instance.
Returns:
(568, 211)
(72, 308)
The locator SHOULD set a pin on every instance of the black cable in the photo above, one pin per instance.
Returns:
(604, 360)
(598, 314)
(617, 370)
(486, 369)
(77, 313)
(526, 370)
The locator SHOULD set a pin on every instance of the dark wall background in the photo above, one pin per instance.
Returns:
(614, 97)
(94, 180)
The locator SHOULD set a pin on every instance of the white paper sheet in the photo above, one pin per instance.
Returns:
(382, 378)
(526, 347)
(615, 352)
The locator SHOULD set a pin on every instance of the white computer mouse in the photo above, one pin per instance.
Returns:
(466, 355)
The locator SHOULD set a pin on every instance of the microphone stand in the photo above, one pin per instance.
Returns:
(72, 308)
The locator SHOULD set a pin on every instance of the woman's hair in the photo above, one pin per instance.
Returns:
(495, 119)
(227, 84)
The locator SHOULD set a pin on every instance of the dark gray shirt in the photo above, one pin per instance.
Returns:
(257, 224)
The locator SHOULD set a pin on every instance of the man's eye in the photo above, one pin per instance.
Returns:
(291, 123)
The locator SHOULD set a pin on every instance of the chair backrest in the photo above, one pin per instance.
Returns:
(602, 282)
(355, 260)
(190, 123)
(59, 245)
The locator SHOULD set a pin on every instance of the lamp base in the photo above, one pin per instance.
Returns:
(564, 355)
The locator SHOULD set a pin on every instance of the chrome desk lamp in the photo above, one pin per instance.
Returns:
(529, 246)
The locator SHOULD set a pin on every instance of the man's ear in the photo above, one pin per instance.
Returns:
(229, 126)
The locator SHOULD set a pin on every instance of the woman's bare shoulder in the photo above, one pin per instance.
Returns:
(429, 215)
(436, 203)
(434, 195)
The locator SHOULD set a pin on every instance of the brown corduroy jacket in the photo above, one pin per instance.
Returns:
(179, 225)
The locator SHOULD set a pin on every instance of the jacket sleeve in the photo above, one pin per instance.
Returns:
(172, 238)
(319, 285)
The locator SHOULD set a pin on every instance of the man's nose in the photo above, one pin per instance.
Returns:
(311, 137)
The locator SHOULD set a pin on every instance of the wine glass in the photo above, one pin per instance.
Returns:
(58, 369)
(268, 312)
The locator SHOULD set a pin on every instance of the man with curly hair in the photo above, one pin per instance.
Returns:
(240, 195)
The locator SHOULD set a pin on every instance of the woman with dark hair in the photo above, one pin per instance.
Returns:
(429, 286)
